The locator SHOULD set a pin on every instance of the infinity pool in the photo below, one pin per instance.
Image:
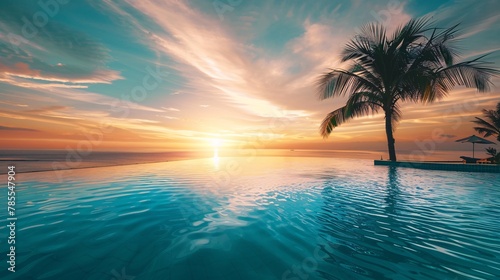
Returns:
(255, 218)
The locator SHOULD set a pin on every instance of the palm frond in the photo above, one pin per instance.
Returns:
(438, 89)
(486, 129)
(359, 48)
(359, 104)
(471, 74)
(332, 120)
(374, 32)
(494, 116)
(408, 34)
(371, 100)
(342, 82)
(437, 51)
(491, 151)
(417, 82)
(442, 45)
(368, 74)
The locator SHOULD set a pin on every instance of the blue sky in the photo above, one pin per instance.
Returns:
(175, 74)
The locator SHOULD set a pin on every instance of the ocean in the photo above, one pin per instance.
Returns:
(54, 160)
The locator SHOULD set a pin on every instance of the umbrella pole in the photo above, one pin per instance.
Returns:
(473, 149)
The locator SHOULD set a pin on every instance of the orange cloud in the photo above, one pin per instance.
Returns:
(19, 68)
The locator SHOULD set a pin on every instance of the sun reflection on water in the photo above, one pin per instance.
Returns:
(216, 144)
(216, 158)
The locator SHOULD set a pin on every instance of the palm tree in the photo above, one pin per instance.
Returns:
(495, 157)
(415, 64)
(493, 126)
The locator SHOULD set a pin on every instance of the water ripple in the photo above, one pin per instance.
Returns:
(276, 219)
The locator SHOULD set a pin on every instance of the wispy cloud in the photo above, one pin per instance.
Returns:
(49, 56)
(48, 109)
(13, 104)
(171, 109)
(21, 74)
(9, 128)
(209, 56)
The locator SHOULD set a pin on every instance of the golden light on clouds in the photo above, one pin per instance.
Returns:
(185, 78)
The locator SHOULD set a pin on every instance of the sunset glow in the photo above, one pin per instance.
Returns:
(167, 75)
(257, 139)
(216, 142)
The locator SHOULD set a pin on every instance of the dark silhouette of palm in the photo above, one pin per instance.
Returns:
(491, 126)
(415, 64)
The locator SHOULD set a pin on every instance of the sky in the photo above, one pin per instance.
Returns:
(175, 75)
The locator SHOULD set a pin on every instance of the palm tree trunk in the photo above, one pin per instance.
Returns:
(390, 137)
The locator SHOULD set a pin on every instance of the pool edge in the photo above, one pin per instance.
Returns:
(485, 168)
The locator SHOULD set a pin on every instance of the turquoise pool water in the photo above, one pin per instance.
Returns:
(255, 218)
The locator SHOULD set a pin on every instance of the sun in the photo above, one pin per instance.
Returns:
(216, 142)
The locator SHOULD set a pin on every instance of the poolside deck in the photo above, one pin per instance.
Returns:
(448, 166)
